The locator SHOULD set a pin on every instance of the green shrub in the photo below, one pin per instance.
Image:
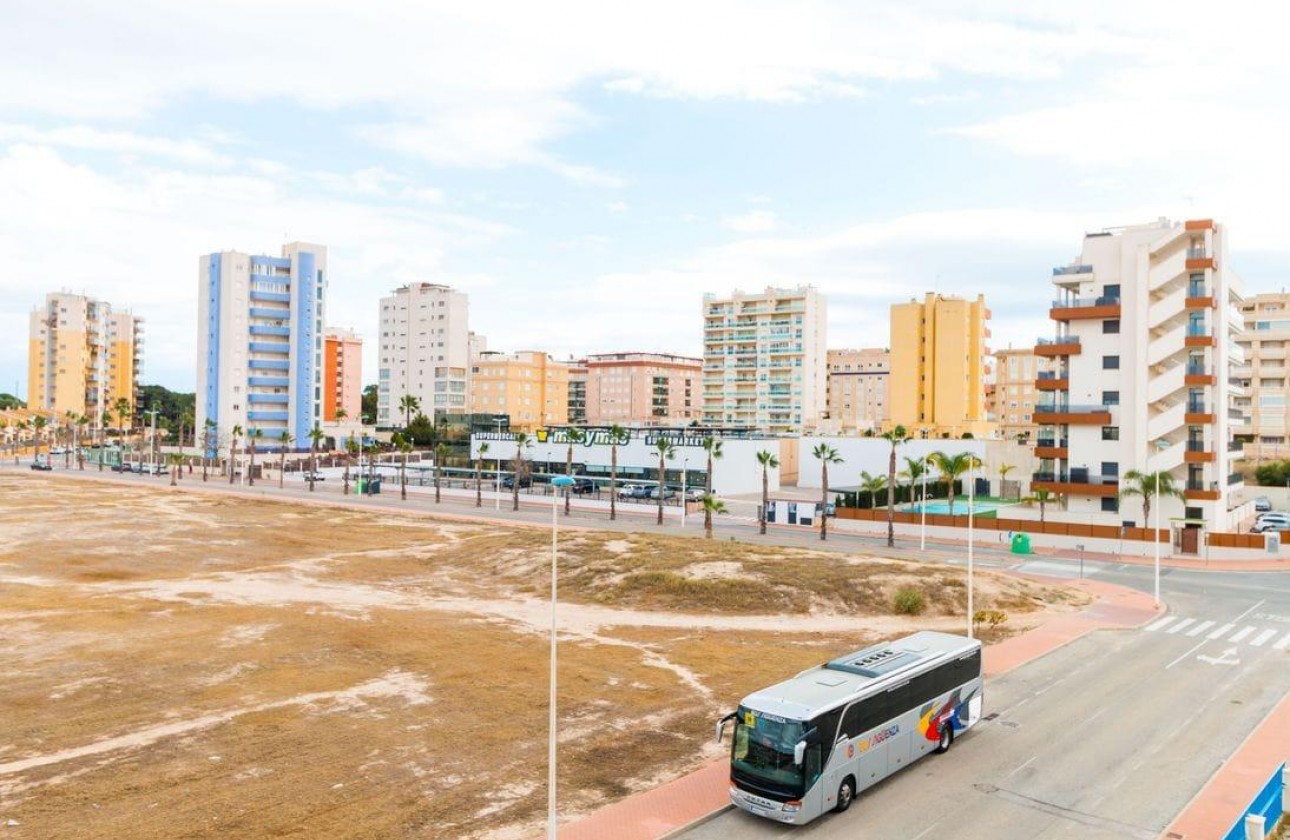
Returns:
(909, 601)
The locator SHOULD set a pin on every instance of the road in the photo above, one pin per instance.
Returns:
(1108, 737)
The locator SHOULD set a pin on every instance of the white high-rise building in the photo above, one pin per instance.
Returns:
(765, 359)
(424, 352)
(259, 344)
(1146, 323)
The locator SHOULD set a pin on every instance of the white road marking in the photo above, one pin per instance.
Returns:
(1201, 628)
(1227, 657)
(1221, 632)
(1154, 626)
(1180, 625)
(1262, 639)
(1242, 633)
(1283, 643)
(1023, 765)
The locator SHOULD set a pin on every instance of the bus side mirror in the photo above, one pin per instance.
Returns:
(799, 752)
(721, 725)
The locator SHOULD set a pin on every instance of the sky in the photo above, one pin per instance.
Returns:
(586, 171)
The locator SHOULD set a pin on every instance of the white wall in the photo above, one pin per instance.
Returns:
(872, 455)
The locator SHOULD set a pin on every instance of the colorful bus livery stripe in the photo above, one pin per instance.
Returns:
(930, 722)
(878, 737)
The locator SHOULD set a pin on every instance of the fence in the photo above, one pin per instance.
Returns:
(1266, 809)
(1030, 526)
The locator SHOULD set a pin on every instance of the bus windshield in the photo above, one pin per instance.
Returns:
(763, 749)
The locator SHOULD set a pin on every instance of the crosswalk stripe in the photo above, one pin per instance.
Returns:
(1262, 639)
(1201, 628)
(1283, 643)
(1156, 625)
(1220, 632)
(1242, 633)
(1180, 625)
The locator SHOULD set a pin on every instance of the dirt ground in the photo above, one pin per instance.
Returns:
(178, 665)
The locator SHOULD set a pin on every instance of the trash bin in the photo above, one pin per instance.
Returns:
(1020, 543)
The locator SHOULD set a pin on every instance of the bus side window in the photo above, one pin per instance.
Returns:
(814, 763)
(852, 722)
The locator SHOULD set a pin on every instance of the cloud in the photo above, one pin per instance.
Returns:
(754, 221)
(617, 207)
(123, 142)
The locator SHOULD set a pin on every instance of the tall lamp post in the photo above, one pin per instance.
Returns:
(557, 483)
(1155, 527)
(972, 462)
(152, 441)
(497, 467)
(922, 509)
(684, 500)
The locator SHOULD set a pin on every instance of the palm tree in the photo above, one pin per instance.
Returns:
(1042, 498)
(186, 422)
(105, 420)
(521, 441)
(665, 450)
(69, 425)
(251, 437)
(351, 449)
(1149, 485)
(232, 454)
(81, 422)
(287, 440)
(407, 405)
(39, 424)
(617, 435)
(894, 437)
(953, 466)
(712, 446)
(826, 455)
(209, 438)
(404, 445)
(176, 465)
(872, 484)
(440, 455)
(315, 438)
(711, 505)
(479, 475)
(1004, 469)
(123, 411)
(767, 461)
(576, 437)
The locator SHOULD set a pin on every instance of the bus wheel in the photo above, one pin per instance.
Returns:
(846, 794)
(947, 738)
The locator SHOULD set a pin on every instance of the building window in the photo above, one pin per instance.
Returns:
(1111, 469)
(1110, 504)
(1110, 398)
(1111, 326)
(1110, 433)
(1110, 363)
(1111, 290)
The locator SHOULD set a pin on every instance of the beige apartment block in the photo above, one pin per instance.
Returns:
(83, 356)
(342, 381)
(529, 386)
(1146, 320)
(764, 359)
(425, 352)
(857, 389)
(1016, 375)
(577, 391)
(642, 389)
(1265, 341)
(938, 364)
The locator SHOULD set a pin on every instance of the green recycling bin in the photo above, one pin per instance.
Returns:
(1020, 543)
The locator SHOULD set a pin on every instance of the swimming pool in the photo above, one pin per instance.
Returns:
(960, 507)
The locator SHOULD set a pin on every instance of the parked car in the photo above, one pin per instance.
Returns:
(1271, 522)
(509, 482)
(313, 476)
(1262, 504)
(668, 493)
(694, 494)
(582, 486)
(137, 469)
(123, 467)
(633, 491)
(43, 466)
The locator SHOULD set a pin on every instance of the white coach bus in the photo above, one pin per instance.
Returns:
(810, 744)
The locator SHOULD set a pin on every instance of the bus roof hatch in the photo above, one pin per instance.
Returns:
(874, 663)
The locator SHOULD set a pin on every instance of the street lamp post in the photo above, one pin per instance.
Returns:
(684, 499)
(152, 441)
(1155, 527)
(497, 468)
(557, 482)
(922, 509)
(971, 505)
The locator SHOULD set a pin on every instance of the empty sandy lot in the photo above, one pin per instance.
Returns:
(181, 665)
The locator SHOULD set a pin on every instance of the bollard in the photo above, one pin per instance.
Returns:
(1254, 827)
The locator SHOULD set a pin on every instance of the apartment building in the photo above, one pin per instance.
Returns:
(856, 388)
(1016, 372)
(342, 386)
(83, 356)
(764, 358)
(642, 389)
(528, 385)
(259, 344)
(938, 365)
(1264, 339)
(1146, 320)
(577, 391)
(425, 352)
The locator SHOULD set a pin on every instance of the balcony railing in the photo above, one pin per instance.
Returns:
(1051, 374)
(1235, 478)
(1070, 408)
(1235, 446)
(1235, 414)
(1196, 407)
(1075, 478)
(1196, 446)
(1194, 330)
(1066, 339)
(1197, 291)
(1196, 369)
(1063, 270)
(1196, 253)
(1196, 484)
(1052, 443)
(1072, 303)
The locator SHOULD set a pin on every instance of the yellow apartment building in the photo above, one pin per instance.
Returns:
(82, 356)
(1018, 376)
(528, 385)
(938, 364)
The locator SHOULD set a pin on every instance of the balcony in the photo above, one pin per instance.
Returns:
(1197, 299)
(1067, 270)
(1076, 483)
(1200, 491)
(1067, 345)
(1055, 448)
(1199, 374)
(1198, 413)
(1199, 258)
(1197, 454)
(1235, 478)
(1236, 445)
(1068, 414)
(1073, 309)
(1053, 381)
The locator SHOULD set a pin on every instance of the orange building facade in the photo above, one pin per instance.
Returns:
(342, 386)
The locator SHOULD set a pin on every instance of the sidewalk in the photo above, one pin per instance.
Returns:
(702, 794)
